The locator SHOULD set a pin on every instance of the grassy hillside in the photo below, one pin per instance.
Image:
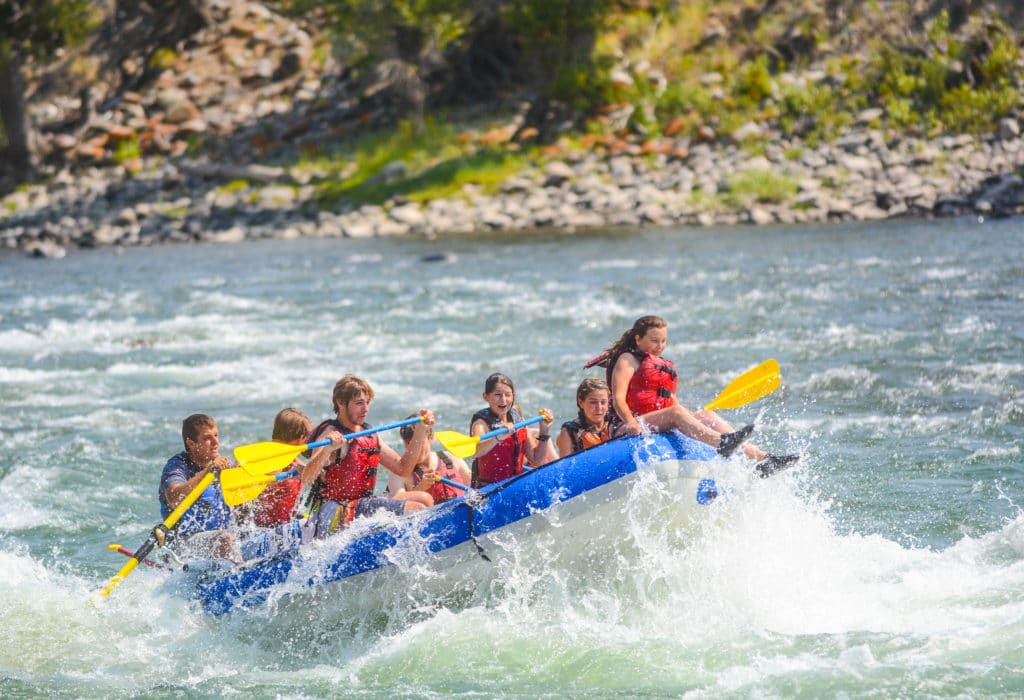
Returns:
(728, 72)
(665, 74)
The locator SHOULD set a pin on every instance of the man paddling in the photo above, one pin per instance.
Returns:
(203, 531)
(344, 490)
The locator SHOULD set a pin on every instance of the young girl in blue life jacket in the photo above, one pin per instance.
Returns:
(502, 456)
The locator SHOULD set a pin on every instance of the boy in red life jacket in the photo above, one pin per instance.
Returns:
(591, 427)
(502, 456)
(428, 470)
(277, 504)
(344, 488)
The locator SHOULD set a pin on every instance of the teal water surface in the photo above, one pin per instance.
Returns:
(890, 563)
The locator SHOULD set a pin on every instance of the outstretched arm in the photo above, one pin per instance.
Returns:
(479, 427)
(539, 449)
(565, 446)
(321, 455)
(175, 492)
(404, 464)
(622, 374)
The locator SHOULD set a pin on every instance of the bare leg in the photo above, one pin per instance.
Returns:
(681, 419)
(691, 425)
(713, 421)
(227, 547)
(415, 500)
(718, 424)
(212, 544)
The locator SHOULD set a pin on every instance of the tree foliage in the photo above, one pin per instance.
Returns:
(459, 47)
(398, 28)
(37, 29)
(32, 30)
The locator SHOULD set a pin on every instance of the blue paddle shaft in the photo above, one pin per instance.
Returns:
(368, 431)
(515, 426)
(453, 484)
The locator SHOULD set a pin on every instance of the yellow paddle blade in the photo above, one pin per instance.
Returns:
(749, 386)
(239, 486)
(264, 457)
(460, 445)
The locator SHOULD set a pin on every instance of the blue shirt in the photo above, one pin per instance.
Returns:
(209, 512)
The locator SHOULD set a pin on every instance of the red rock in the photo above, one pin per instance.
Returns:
(182, 111)
(528, 133)
(118, 133)
(674, 127)
(618, 146)
(499, 135)
(679, 153)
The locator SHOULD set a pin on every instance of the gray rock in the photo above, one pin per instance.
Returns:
(388, 227)
(517, 184)
(126, 217)
(759, 216)
(357, 228)
(750, 130)
(494, 219)
(1009, 129)
(45, 249)
(235, 234)
(409, 214)
(556, 173)
(278, 196)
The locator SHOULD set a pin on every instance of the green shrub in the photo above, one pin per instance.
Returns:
(127, 150)
(765, 186)
(926, 89)
(234, 186)
(753, 82)
(163, 58)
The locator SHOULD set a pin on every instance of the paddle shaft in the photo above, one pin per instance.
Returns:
(280, 455)
(453, 484)
(154, 538)
(367, 431)
(464, 446)
(505, 429)
(128, 553)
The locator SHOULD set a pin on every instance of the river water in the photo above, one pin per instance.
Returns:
(889, 563)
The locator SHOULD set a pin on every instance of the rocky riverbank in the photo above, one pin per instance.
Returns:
(859, 177)
(185, 160)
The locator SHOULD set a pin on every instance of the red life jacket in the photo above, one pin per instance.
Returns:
(355, 476)
(445, 468)
(276, 503)
(506, 458)
(652, 386)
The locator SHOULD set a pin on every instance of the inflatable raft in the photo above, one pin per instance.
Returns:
(568, 488)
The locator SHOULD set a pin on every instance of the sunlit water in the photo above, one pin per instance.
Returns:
(890, 563)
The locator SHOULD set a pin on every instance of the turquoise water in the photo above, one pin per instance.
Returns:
(890, 563)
